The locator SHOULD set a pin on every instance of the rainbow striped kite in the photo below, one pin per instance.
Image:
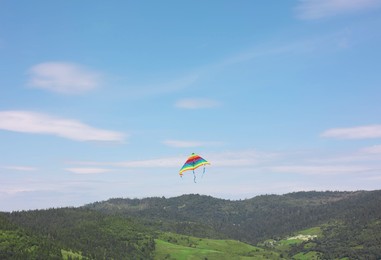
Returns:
(192, 163)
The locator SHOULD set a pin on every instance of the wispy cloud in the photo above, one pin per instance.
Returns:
(88, 170)
(163, 162)
(317, 9)
(188, 144)
(196, 103)
(163, 87)
(375, 149)
(318, 169)
(360, 132)
(261, 163)
(36, 123)
(152, 163)
(271, 48)
(219, 159)
(241, 158)
(62, 77)
(19, 168)
(182, 144)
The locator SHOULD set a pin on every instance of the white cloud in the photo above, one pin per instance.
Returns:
(242, 158)
(61, 77)
(182, 144)
(360, 132)
(165, 162)
(318, 169)
(88, 170)
(317, 9)
(19, 168)
(36, 123)
(220, 159)
(163, 87)
(13, 191)
(196, 103)
(148, 163)
(375, 149)
(188, 144)
(373, 178)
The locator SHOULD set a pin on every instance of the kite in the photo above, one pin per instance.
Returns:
(192, 163)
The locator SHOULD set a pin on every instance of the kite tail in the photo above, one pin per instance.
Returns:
(203, 172)
(194, 176)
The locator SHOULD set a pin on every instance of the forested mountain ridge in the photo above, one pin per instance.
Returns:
(94, 235)
(250, 220)
(300, 225)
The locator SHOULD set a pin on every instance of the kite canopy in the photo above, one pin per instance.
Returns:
(192, 163)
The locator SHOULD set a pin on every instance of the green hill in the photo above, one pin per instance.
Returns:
(83, 232)
(252, 220)
(302, 225)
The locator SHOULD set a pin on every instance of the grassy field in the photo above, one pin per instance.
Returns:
(174, 246)
(312, 231)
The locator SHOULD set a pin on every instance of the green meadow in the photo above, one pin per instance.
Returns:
(175, 246)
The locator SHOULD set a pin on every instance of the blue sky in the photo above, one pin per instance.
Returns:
(101, 100)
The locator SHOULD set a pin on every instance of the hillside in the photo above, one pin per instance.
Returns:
(251, 220)
(302, 225)
(83, 232)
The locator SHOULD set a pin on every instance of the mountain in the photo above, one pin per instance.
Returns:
(251, 220)
(74, 231)
(300, 225)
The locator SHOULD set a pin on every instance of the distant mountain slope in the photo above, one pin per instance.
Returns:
(90, 234)
(251, 220)
(301, 225)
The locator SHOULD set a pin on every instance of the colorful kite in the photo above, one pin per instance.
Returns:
(192, 163)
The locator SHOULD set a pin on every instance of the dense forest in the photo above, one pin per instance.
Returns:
(95, 235)
(330, 225)
(251, 220)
